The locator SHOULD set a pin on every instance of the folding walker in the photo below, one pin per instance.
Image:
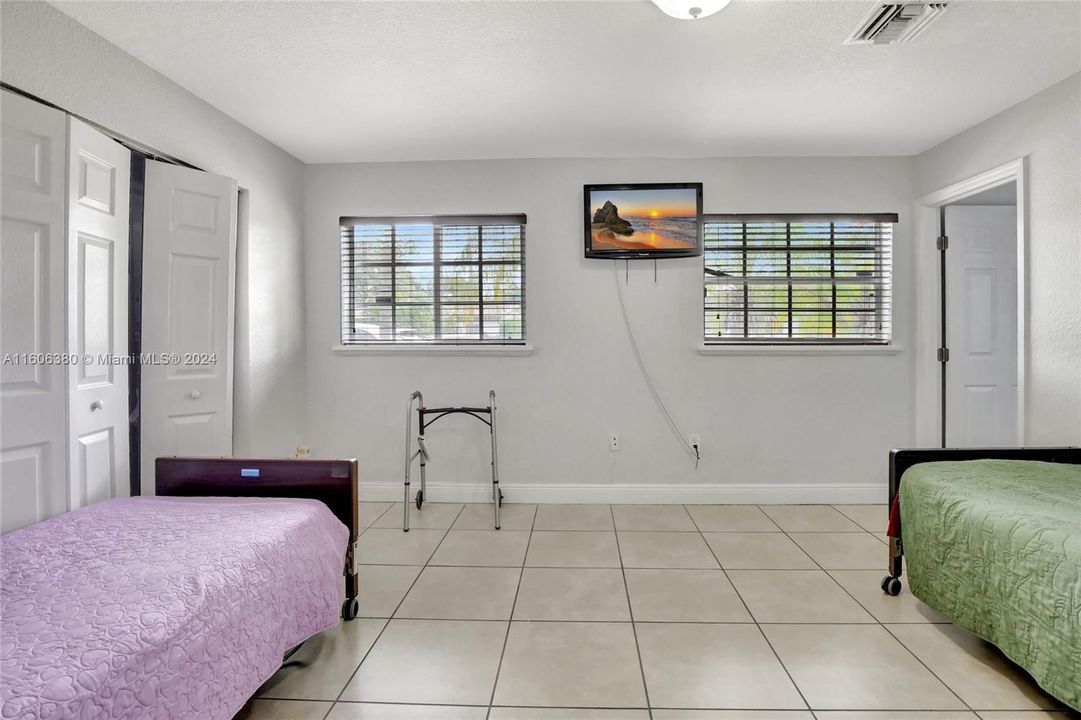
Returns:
(485, 414)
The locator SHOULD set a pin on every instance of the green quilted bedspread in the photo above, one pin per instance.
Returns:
(995, 546)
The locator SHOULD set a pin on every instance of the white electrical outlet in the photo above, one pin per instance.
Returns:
(613, 442)
(696, 440)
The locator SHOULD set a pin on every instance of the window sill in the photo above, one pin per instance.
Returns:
(798, 350)
(434, 350)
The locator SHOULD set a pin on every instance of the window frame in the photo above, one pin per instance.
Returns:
(717, 345)
(436, 345)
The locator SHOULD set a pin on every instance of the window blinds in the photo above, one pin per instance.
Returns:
(433, 279)
(815, 279)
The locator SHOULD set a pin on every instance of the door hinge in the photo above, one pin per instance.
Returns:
(943, 354)
(942, 242)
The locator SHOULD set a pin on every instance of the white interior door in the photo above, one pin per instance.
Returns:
(33, 393)
(981, 323)
(189, 251)
(99, 171)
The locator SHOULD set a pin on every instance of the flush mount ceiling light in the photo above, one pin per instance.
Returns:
(690, 9)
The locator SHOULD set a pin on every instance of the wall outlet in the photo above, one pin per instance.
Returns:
(613, 442)
(696, 440)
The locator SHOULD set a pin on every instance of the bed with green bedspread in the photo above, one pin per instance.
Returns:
(995, 546)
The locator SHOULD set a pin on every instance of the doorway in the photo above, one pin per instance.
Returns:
(981, 319)
(977, 310)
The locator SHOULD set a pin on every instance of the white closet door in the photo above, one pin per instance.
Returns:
(33, 395)
(99, 171)
(189, 251)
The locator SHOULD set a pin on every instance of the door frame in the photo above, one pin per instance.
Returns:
(930, 412)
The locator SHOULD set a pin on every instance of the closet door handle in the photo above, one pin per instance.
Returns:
(96, 405)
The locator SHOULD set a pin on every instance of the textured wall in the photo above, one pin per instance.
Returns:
(1046, 130)
(822, 420)
(51, 56)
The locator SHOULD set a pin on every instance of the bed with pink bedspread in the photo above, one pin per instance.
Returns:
(162, 607)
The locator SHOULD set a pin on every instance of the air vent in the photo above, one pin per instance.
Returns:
(890, 23)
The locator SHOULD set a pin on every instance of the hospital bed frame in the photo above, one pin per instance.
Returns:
(334, 482)
(902, 460)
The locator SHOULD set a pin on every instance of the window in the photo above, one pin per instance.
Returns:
(778, 279)
(453, 280)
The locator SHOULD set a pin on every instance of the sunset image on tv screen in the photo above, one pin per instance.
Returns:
(644, 219)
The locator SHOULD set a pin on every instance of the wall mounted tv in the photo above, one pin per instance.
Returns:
(648, 220)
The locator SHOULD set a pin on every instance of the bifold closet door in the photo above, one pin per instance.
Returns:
(99, 170)
(189, 251)
(33, 395)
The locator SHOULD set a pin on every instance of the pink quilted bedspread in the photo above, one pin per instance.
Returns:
(162, 607)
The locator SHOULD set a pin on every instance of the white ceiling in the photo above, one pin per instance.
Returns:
(375, 81)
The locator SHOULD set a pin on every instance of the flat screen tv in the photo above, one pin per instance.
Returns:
(648, 220)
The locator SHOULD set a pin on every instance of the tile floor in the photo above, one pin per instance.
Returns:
(639, 612)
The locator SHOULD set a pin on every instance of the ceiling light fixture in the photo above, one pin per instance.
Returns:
(691, 9)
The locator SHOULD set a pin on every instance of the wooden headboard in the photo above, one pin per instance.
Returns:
(332, 481)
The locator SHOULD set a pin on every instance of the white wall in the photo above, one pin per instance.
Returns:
(825, 421)
(1046, 130)
(49, 55)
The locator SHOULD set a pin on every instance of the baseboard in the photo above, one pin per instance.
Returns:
(727, 494)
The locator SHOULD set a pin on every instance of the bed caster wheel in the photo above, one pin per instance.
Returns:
(420, 498)
(350, 609)
(891, 586)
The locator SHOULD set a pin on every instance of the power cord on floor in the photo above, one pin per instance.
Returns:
(691, 449)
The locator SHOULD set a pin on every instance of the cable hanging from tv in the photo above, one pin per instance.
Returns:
(692, 450)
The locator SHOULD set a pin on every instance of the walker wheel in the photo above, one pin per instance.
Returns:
(420, 498)
(350, 608)
(891, 586)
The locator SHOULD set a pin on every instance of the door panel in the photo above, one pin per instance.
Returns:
(99, 170)
(94, 303)
(193, 324)
(96, 458)
(25, 313)
(981, 304)
(33, 395)
(188, 280)
(28, 480)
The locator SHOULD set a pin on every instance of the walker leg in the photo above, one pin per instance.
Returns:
(408, 461)
(496, 497)
(423, 495)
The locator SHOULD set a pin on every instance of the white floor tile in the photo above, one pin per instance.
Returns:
(570, 665)
(324, 664)
(713, 666)
(447, 662)
(972, 668)
(796, 596)
(462, 593)
(665, 550)
(573, 549)
(572, 594)
(684, 596)
(839, 667)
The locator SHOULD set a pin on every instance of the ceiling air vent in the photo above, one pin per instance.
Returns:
(890, 23)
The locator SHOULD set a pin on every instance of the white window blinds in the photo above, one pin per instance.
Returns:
(813, 279)
(438, 279)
